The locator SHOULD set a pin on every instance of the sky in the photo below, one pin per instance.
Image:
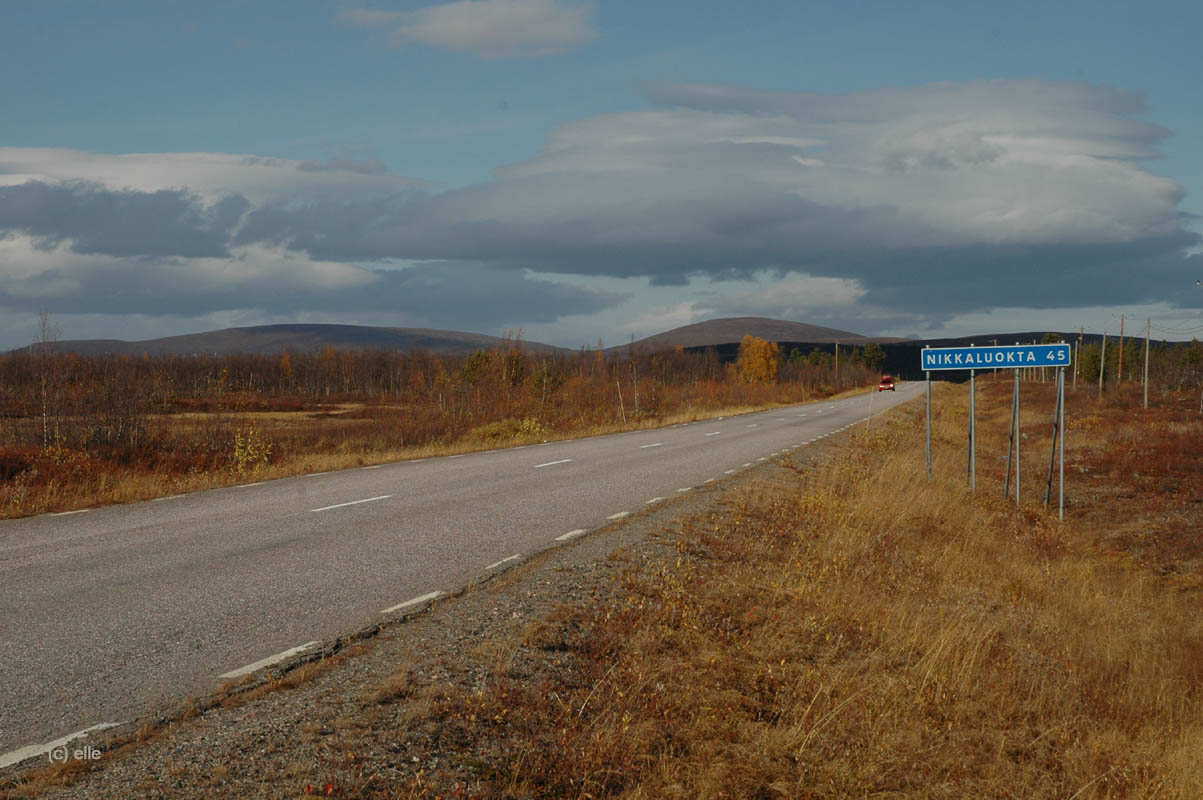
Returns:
(580, 172)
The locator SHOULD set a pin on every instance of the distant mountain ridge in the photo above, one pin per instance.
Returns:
(722, 334)
(714, 332)
(299, 338)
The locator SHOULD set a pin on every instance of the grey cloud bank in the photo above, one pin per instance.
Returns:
(941, 199)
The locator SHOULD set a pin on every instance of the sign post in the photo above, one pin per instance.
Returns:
(972, 432)
(1015, 358)
(928, 374)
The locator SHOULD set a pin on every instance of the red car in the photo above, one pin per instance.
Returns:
(887, 382)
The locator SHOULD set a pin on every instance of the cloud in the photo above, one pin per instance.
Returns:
(120, 223)
(921, 202)
(278, 282)
(208, 176)
(489, 28)
(942, 198)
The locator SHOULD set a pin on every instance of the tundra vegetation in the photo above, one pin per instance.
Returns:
(81, 431)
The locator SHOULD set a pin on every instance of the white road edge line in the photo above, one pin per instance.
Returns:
(730, 472)
(24, 753)
(168, 497)
(249, 485)
(495, 564)
(716, 433)
(619, 515)
(413, 602)
(653, 500)
(553, 463)
(570, 535)
(267, 662)
(65, 513)
(373, 466)
(646, 446)
(353, 502)
(686, 489)
(315, 474)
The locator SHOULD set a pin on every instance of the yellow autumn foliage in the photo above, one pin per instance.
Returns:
(758, 360)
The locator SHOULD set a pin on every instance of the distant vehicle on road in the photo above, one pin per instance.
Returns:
(887, 383)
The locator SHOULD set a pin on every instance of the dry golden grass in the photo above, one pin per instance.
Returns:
(855, 631)
(341, 437)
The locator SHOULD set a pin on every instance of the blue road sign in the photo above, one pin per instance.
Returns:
(1003, 357)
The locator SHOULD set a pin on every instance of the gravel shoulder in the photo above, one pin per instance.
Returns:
(362, 701)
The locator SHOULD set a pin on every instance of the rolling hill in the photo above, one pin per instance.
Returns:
(716, 332)
(266, 339)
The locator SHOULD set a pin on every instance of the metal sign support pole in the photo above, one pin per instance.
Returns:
(972, 431)
(1010, 444)
(928, 374)
(1052, 456)
(1018, 437)
(1061, 482)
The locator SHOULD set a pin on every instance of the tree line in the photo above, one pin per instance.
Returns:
(48, 398)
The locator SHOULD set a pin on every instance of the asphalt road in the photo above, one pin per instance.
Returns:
(109, 613)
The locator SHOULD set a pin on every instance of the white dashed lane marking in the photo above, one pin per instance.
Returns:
(715, 433)
(619, 515)
(653, 500)
(496, 564)
(413, 602)
(570, 535)
(267, 662)
(34, 750)
(353, 502)
(553, 463)
(646, 446)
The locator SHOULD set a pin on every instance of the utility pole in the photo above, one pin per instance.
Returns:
(1119, 373)
(1102, 361)
(1148, 324)
(1078, 356)
(837, 364)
